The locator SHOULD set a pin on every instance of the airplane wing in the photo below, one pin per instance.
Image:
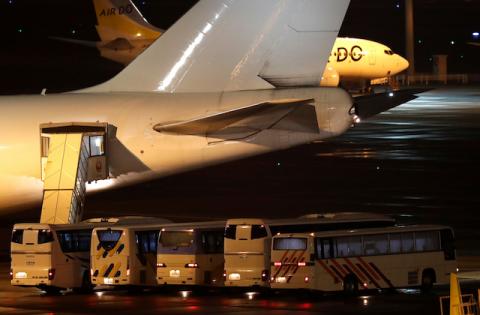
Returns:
(239, 123)
(75, 41)
(371, 105)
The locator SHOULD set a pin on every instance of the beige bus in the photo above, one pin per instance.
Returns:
(191, 254)
(126, 255)
(248, 241)
(54, 257)
(357, 260)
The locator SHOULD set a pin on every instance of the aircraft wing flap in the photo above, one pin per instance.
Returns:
(235, 123)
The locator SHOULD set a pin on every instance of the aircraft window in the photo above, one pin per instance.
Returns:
(96, 146)
(389, 52)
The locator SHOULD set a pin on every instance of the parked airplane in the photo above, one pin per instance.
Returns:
(354, 59)
(124, 34)
(196, 97)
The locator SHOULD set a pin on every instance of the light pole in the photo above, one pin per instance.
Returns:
(409, 36)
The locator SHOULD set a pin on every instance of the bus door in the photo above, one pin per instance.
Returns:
(146, 254)
(293, 260)
(210, 260)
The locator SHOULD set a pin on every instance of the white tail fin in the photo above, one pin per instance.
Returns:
(121, 19)
(230, 45)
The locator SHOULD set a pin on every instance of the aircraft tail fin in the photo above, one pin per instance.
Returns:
(232, 45)
(122, 19)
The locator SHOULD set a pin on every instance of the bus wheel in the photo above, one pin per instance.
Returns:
(350, 285)
(428, 279)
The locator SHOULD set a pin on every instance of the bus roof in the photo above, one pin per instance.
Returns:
(369, 231)
(91, 223)
(168, 225)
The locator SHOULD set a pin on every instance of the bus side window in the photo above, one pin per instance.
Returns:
(231, 231)
(349, 246)
(142, 242)
(17, 236)
(44, 236)
(375, 244)
(328, 248)
(212, 242)
(448, 244)
(324, 248)
(258, 231)
(395, 243)
(427, 241)
(147, 241)
(152, 241)
(407, 242)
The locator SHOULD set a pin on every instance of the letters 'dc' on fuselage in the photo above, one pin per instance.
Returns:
(355, 53)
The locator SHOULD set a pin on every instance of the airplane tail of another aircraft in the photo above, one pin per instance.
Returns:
(235, 45)
(120, 19)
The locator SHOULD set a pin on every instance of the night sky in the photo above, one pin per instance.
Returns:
(30, 61)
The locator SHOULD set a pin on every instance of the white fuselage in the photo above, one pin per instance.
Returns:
(136, 152)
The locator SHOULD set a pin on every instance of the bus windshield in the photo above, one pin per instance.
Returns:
(108, 238)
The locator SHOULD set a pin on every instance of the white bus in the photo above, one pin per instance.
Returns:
(247, 241)
(354, 260)
(126, 255)
(191, 254)
(53, 257)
